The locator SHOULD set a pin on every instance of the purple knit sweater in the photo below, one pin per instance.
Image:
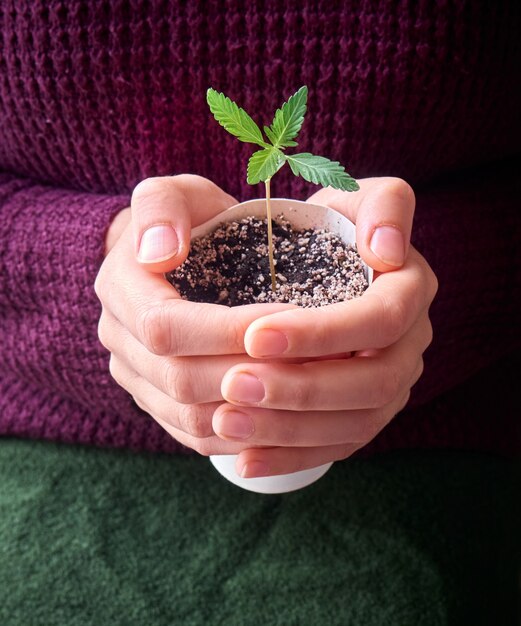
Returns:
(95, 96)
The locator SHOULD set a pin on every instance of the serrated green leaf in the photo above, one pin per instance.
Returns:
(234, 119)
(263, 164)
(273, 139)
(288, 120)
(270, 135)
(321, 171)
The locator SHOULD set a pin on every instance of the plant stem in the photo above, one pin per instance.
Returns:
(270, 235)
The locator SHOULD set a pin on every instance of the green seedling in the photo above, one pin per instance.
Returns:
(265, 163)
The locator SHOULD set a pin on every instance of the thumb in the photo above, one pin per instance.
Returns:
(164, 210)
(383, 212)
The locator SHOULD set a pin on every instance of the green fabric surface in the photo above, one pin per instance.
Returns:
(99, 537)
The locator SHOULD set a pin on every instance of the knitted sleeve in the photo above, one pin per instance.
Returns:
(54, 378)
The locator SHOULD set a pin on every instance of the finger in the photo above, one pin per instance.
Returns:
(187, 380)
(164, 210)
(383, 212)
(152, 310)
(257, 462)
(193, 420)
(330, 385)
(188, 424)
(384, 313)
(205, 446)
(268, 427)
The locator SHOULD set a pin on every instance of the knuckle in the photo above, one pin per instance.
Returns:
(429, 334)
(193, 422)
(190, 180)
(104, 335)
(388, 386)
(417, 374)
(115, 371)
(153, 330)
(297, 463)
(399, 188)
(237, 332)
(188, 184)
(178, 382)
(147, 188)
(100, 282)
(202, 446)
(403, 403)
(302, 393)
(393, 320)
(372, 426)
(157, 189)
(433, 285)
(343, 451)
(287, 433)
(142, 404)
(429, 280)
(98, 286)
(322, 335)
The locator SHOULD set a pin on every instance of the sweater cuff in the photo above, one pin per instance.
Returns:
(60, 230)
(51, 248)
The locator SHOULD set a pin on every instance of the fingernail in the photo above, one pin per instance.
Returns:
(388, 244)
(268, 342)
(254, 469)
(235, 425)
(244, 387)
(158, 243)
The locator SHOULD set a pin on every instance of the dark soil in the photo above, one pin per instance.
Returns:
(230, 266)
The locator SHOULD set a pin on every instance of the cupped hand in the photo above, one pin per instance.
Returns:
(361, 356)
(168, 353)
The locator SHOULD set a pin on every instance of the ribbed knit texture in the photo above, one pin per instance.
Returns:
(95, 96)
(98, 95)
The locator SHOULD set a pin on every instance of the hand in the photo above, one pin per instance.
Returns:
(168, 353)
(305, 414)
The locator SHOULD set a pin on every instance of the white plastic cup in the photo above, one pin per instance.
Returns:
(301, 215)
(282, 483)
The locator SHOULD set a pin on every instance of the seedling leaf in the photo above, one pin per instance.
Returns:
(234, 119)
(321, 171)
(263, 164)
(288, 120)
(270, 135)
(273, 139)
